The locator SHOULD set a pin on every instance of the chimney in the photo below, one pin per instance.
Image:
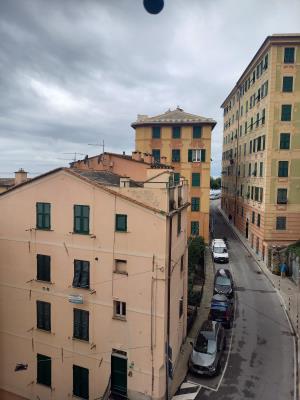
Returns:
(124, 181)
(163, 159)
(20, 176)
(137, 155)
(148, 158)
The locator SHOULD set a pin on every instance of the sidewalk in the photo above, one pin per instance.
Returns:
(186, 349)
(287, 290)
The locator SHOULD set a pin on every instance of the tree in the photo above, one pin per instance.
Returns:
(215, 183)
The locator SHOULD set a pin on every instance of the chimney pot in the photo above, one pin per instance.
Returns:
(20, 176)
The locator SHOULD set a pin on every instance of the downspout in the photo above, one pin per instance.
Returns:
(168, 304)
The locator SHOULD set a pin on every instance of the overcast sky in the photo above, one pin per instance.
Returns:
(74, 72)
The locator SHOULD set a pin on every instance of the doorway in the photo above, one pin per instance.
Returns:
(247, 228)
(119, 375)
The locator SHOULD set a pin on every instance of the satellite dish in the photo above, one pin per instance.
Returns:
(153, 6)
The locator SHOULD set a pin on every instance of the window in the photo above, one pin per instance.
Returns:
(253, 217)
(261, 194)
(178, 223)
(175, 155)
(258, 220)
(249, 169)
(120, 266)
(121, 222)
(180, 307)
(281, 223)
(256, 193)
(176, 132)
(176, 178)
(263, 116)
(80, 382)
(81, 274)
(81, 324)
(195, 179)
(156, 155)
(284, 141)
(286, 112)
(246, 128)
(289, 55)
(43, 315)
(182, 263)
(81, 219)
(120, 309)
(287, 84)
(43, 370)
(195, 228)
(281, 196)
(250, 147)
(43, 268)
(195, 204)
(283, 169)
(156, 132)
(197, 132)
(196, 155)
(261, 168)
(43, 220)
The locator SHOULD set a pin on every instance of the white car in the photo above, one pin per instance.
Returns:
(219, 251)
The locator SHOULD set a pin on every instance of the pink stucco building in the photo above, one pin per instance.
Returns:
(93, 275)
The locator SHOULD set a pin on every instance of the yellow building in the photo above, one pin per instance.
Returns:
(261, 146)
(184, 141)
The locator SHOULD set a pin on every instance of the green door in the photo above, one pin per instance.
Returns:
(119, 375)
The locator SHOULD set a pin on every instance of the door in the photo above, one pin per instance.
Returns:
(119, 376)
(247, 228)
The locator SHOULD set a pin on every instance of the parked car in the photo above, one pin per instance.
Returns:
(222, 310)
(223, 283)
(219, 251)
(208, 349)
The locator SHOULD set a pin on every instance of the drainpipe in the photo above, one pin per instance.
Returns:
(168, 304)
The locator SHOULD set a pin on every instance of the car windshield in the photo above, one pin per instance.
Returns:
(204, 345)
(223, 281)
(220, 250)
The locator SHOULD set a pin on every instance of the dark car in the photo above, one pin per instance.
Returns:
(208, 349)
(222, 310)
(223, 283)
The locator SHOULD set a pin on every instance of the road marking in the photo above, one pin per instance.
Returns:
(187, 391)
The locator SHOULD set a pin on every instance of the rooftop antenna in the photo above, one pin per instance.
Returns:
(98, 145)
(75, 155)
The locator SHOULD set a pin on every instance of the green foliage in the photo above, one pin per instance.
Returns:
(295, 248)
(215, 183)
(196, 252)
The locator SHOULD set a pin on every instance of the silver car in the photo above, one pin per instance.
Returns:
(208, 349)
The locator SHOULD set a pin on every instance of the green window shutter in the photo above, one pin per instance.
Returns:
(190, 155)
(197, 132)
(195, 228)
(43, 215)
(80, 382)
(81, 219)
(85, 324)
(176, 178)
(121, 222)
(281, 223)
(85, 275)
(43, 268)
(156, 155)
(176, 132)
(76, 323)
(77, 273)
(289, 55)
(203, 151)
(175, 155)
(283, 168)
(284, 141)
(286, 112)
(195, 179)
(43, 312)
(195, 206)
(156, 132)
(43, 370)
(287, 84)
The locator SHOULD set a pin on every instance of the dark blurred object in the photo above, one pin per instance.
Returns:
(154, 6)
(21, 367)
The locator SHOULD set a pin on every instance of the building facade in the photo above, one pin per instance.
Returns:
(261, 147)
(93, 272)
(184, 141)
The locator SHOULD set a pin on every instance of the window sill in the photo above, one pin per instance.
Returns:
(46, 386)
(44, 331)
(119, 318)
(44, 229)
(120, 273)
(44, 282)
(81, 233)
(80, 340)
(122, 231)
(79, 287)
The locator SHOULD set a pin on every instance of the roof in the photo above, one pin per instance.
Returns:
(87, 179)
(125, 157)
(175, 117)
(278, 39)
(106, 178)
(7, 182)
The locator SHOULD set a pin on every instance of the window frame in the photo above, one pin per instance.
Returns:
(176, 132)
(176, 155)
(196, 179)
(120, 309)
(43, 315)
(81, 269)
(122, 227)
(43, 367)
(79, 388)
(281, 169)
(156, 132)
(155, 154)
(197, 135)
(81, 324)
(81, 219)
(43, 268)
(283, 141)
(195, 232)
(289, 58)
(287, 84)
(195, 204)
(286, 112)
(282, 199)
(281, 223)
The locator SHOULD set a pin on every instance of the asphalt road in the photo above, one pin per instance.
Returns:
(261, 358)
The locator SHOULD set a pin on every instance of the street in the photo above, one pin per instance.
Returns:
(260, 364)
